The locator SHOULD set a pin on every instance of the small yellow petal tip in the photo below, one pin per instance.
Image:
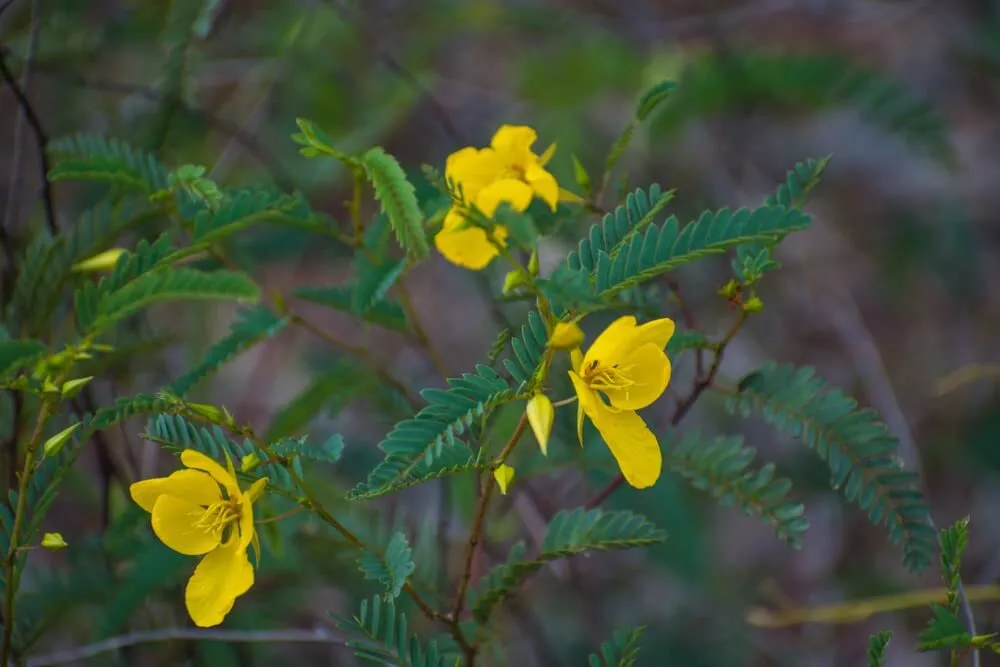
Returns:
(53, 541)
(104, 261)
(503, 475)
(566, 335)
(541, 414)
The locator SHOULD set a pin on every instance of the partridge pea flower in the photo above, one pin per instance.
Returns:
(201, 511)
(625, 370)
(507, 171)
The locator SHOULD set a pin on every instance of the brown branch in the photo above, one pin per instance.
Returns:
(41, 141)
(684, 406)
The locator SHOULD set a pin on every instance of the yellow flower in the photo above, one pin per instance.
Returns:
(202, 511)
(625, 370)
(506, 171)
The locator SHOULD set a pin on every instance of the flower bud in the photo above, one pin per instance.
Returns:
(503, 475)
(540, 416)
(53, 541)
(566, 335)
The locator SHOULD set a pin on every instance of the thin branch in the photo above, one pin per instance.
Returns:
(684, 406)
(41, 140)
(291, 636)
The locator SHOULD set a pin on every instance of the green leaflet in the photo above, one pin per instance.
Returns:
(385, 312)
(399, 201)
(722, 467)
(877, 645)
(14, 354)
(413, 444)
(252, 326)
(167, 285)
(383, 636)
(570, 533)
(620, 651)
(91, 157)
(393, 568)
(860, 451)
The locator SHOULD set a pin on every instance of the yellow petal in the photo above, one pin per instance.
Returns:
(192, 485)
(540, 416)
(609, 347)
(514, 140)
(195, 459)
(473, 169)
(509, 190)
(246, 518)
(566, 335)
(576, 357)
(220, 578)
(174, 522)
(504, 474)
(544, 184)
(586, 398)
(633, 445)
(469, 247)
(648, 368)
(658, 332)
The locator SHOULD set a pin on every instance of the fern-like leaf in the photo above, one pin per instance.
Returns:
(328, 452)
(391, 569)
(252, 326)
(169, 285)
(620, 651)
(418, 441)
(399, 201)
(528, 350)
(91, 157)
(858, 448)
(384, 312)
(877, 644)
(383, 637)
(569, 534)
(722, 468)
(799, 182)
(243, 208)
(954, 542)
(15, 354)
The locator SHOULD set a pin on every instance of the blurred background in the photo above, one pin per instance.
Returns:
(890, 291)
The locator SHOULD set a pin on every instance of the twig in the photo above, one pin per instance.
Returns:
(41, 140)
(476, 533)
(683, 407)
(74, 655)
(689, 321)
(10, 557)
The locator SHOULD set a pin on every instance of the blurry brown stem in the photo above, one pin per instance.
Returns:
(690, 322)
(10, 558)
(684, 406)
(476, 533)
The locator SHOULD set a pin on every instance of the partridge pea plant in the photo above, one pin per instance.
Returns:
(587, 340)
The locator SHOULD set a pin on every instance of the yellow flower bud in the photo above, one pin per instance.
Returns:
(249, 462)
(104, 261)
(729, 290)
(513, 280)
(566, 335)
(753, 305)
(53, 541)
(533, 263)
(503, 475)
(540, 416)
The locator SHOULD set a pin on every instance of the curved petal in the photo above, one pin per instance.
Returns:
(510, 190)
(220, 578)
(631, 443)
(246, 511)
(193, 485)
(195, 459)
(514, 140)
(649, 369)
(609, 347)
(467, 247)
(174, 522)
(658, 332)
(544, 158)
(474, 169)
(544, 184)
(585, 403)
